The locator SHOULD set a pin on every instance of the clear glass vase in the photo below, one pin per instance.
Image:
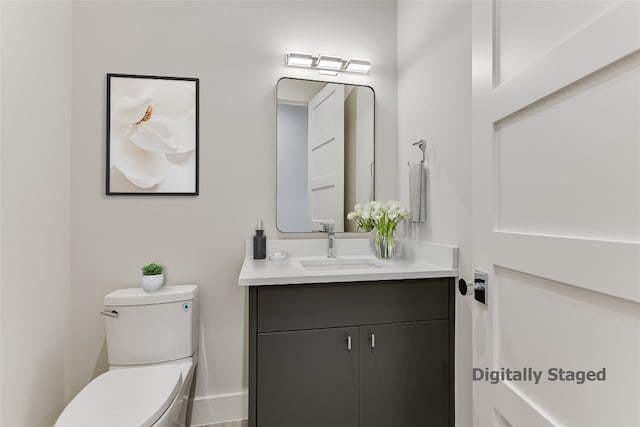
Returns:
(384, 245)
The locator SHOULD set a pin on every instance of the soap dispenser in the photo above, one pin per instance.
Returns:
(259, 243)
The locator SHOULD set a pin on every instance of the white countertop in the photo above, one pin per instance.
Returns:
(290, 271)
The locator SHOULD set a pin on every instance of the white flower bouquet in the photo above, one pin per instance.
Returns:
(383, 217)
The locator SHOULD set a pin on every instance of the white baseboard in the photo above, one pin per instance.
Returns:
(223, 408)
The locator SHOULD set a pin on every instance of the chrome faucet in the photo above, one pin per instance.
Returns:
(329, 228)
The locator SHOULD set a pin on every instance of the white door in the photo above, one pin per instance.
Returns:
(326, 158)
(556, 211)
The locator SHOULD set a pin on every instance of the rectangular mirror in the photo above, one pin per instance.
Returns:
(325, 153)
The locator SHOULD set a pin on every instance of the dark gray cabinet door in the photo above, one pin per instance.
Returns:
(308, 378)
(404, 378)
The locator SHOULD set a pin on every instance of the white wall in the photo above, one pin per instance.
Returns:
(1, 394)
(434, 103)
(237, 50)
(35, 194)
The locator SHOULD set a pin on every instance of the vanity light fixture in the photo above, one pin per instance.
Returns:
(328, 64)
(358, 66)
(298, 59)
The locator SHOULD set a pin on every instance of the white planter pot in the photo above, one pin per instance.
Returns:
(152, 283)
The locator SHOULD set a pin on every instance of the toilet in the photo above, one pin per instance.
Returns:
(152, 344)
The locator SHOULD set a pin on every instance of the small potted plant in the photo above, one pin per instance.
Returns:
(152, 277)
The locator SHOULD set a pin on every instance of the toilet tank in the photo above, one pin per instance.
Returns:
(151, 327)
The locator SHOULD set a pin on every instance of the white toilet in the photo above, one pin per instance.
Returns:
(152, 344)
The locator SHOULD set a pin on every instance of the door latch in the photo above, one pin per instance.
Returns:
(479, 286)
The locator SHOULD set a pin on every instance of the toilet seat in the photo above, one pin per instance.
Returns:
(124, 397)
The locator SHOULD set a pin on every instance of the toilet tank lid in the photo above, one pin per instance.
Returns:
(138, 296)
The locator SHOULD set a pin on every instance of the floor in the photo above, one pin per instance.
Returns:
(239, 423)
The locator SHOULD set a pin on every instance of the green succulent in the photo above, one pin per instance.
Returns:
(151, 269)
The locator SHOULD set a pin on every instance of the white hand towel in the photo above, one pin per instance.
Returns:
(418, 192)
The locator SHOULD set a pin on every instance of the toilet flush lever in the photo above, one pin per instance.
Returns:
(110, 313)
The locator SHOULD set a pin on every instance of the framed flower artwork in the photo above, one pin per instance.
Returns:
(152, 135)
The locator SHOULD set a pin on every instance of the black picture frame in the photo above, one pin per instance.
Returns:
(152, 135)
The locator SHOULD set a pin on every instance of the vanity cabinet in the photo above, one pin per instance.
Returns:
(308, 378)
(360, 354)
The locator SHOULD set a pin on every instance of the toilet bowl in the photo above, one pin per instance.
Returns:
(135, 393)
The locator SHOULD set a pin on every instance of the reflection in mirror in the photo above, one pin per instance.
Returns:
(325, 153)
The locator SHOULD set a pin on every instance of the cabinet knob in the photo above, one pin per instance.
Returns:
(372, 337)
(349, 342)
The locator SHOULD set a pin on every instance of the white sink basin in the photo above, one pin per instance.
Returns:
(340, 264)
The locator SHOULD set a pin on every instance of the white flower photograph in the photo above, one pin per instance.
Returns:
(152, 135)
